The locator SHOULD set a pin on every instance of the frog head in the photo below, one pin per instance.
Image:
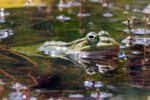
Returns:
(96, 42)
(97, 52)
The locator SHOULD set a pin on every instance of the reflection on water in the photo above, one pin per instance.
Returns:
(3, 14)
(125, 76)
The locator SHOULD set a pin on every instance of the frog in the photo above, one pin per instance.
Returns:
(95, 52)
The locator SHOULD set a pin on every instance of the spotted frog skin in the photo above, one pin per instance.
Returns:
(89, 52)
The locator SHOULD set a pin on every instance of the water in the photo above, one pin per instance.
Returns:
(22, 61)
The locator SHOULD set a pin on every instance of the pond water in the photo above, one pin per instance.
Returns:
(65, 69)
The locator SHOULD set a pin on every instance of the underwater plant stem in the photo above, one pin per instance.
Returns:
(130, 34)
(98, 94)
(15, 53)
(80, 17)
(133, 25)
(34, 80)
(145, 38)
(10, 59)
(129, 28)
(25, 58)
(128, 22)
(4, 72)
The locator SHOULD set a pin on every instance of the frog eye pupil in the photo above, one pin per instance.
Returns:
(91, 36)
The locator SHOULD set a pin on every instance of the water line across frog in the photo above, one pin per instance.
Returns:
(96, 52)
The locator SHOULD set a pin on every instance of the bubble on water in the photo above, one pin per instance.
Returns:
(76, 96)
(108, 14)
(93, 84)
(83, 14)
(146, 10)
(63, 18)
(4, 33)
(138, 31)
(101, 95)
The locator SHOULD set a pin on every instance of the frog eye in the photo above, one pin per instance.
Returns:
(104, 34)
(92, 37)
